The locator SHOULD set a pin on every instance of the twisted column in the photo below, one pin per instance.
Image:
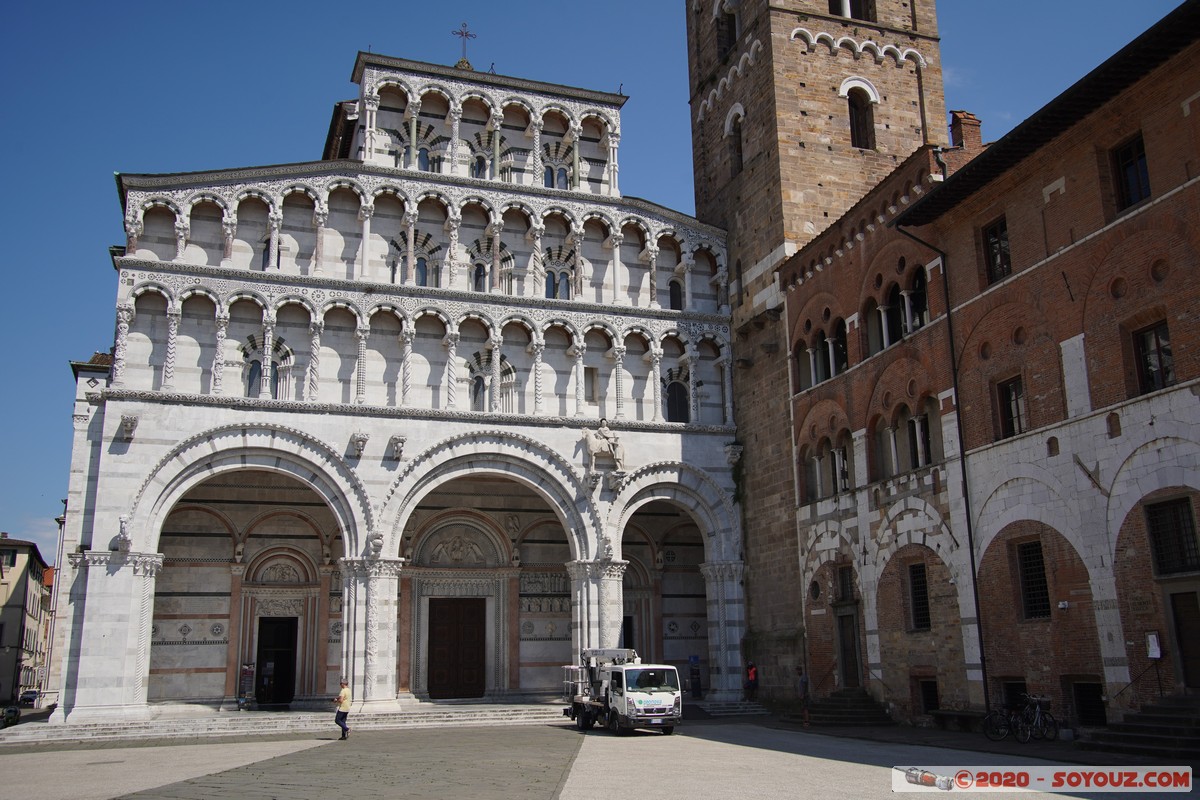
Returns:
(451, 376)
(451, 259)
(455, 124)
(693, 360)
(536, 260)
(652, 257)
(168, 379)
(406, 339)
(536, 349)
(313, 379)
(537, 166)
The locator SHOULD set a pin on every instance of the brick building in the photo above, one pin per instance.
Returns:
(994, 402)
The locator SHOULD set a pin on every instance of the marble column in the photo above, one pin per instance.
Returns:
(494, 345)
(313, 378)
(365, 212)
(618, 356)
(655, 355)
(614, 241)
(218, 362)
(360, 371)
(406, 340)
(168, 374)
(651, 253)
(320, 219)
(182, 230)
(268, 336)
(614, 141)
(121, 344)
(413, 111)
(536, 349)
(369, 629)
(578, 350)
(726, 627)
(450, 378)
(410, 255)
(228, 230)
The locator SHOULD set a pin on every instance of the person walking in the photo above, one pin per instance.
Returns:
(343, 709)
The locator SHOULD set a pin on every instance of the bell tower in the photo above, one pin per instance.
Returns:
(798, 107)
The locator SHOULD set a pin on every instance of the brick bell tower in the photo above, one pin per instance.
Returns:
(798, 108)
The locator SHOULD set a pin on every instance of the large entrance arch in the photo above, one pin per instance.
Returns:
(665, 610)
(248, 601)
(485, 597)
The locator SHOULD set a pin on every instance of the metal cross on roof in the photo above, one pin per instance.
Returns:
(465, 34)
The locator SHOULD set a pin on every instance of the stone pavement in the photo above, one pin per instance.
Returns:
(729, 758)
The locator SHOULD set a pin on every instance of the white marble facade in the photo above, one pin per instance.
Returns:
(344, 391)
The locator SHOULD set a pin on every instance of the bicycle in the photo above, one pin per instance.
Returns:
(1001, 721)
(1035, 720)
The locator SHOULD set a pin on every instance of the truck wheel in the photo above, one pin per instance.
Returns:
(668, 730)
(583, 721)
(614, 725)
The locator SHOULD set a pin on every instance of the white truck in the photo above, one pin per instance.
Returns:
(613, 687)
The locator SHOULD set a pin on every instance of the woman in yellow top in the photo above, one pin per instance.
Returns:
(343, 709)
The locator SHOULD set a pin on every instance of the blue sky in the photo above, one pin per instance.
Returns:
(93, 88)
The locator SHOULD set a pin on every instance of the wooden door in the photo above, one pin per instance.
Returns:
(848, 649)
(276, 679)
(1186, 613)
(457, 647)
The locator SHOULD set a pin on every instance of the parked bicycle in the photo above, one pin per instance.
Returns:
(1029, 720)
(1036, 720)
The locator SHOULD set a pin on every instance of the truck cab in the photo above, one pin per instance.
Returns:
(614, 688)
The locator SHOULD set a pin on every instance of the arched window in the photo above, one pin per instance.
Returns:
(548, 178)
(551, 285)
(803, 368)
(479, 168)
(726, 34)
(874, 324)
(821, 356)
(563, 183)
(735, 148)
(862, 119)
(564, 286)
(894, 317)
(422, 275)
(841, 351)
(478, 393)
(254, 379)
(677, 402)
(918, 301)
(480, 278)
(676, 296)
(423, 159)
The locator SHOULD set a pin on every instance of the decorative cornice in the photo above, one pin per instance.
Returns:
(144, 564)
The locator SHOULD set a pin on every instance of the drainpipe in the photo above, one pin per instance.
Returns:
(962, 450)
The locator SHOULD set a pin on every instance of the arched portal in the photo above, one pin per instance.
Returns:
(485, 595)
(248, 601)
(665, 606)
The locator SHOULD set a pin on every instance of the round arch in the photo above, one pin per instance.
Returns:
(264, 446)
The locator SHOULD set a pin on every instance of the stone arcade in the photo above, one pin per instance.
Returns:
(349, 423)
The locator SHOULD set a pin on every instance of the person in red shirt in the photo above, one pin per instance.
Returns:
(751, 681)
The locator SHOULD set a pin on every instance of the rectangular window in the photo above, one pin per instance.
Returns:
(591, 380)
(1172, 531)
(1035, 592)
(1133, 178)
(918, 597)
(8, 558)
(1012, 407)
(995, 251)
(845, 583)
(1155, 365)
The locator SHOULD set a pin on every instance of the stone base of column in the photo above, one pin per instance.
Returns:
(392, 706)
(79, 715)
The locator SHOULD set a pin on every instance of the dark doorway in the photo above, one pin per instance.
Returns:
(457, 650)
(275, 683)
(1186, 614)
(848, 649)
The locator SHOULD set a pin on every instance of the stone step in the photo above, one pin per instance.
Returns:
(254, 723)
(1148, 738)
(730, 708)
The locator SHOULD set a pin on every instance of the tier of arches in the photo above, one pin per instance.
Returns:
(240, 345)
(826, 345)
(470, 132)
(428, 239)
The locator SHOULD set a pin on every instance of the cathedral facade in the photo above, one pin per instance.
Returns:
(431, 414)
